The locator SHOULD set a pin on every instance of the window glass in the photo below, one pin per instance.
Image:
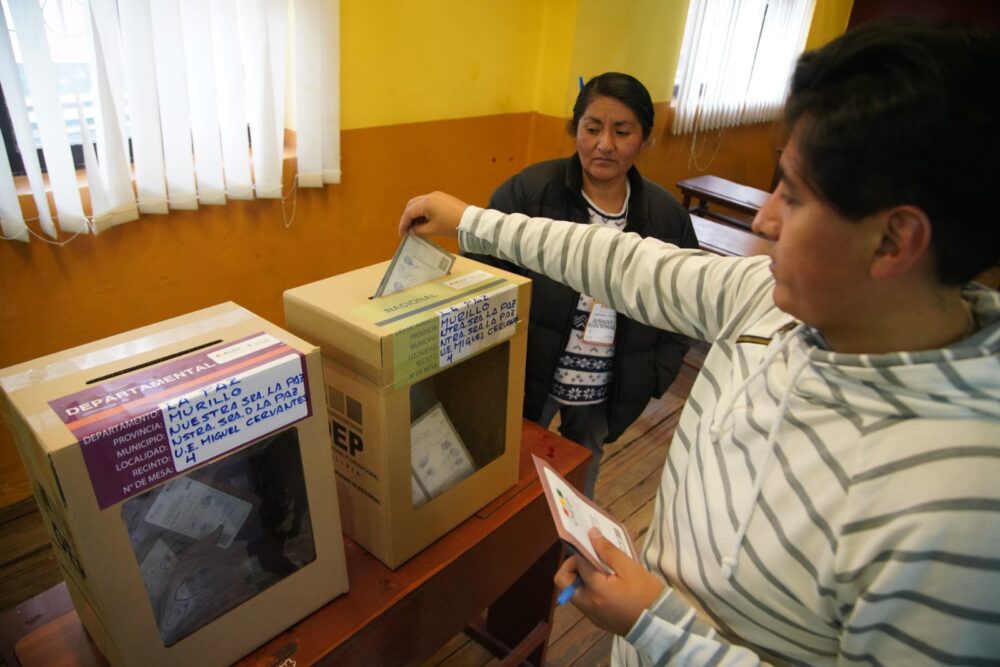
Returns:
(213, 538)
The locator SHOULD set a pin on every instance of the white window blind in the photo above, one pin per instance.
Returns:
(736, 61)
(196, 89)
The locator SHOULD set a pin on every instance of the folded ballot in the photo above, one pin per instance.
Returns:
(439, 458)
(416, 261)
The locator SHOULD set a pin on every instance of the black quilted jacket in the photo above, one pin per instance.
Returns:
(646, 359)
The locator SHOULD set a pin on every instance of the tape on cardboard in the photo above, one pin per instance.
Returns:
(439, 323)
(122, 351)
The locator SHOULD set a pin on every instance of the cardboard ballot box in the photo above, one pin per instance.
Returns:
(425, 388)
(184, 473)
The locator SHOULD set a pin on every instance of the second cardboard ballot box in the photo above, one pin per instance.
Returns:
(425, 388)
(184, 473)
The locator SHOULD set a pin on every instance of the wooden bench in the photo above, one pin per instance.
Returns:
(723, 239)
(718, 191)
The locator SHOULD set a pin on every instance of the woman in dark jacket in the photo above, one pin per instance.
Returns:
(596, 368)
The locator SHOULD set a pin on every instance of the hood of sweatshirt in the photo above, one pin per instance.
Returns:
(961, 381)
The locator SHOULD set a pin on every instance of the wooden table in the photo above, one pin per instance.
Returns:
(501, 561)
(715, 190)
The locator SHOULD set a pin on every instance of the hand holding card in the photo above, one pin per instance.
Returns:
(574, 514)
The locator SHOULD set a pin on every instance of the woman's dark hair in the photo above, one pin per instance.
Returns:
(623, 87)
(897, 112)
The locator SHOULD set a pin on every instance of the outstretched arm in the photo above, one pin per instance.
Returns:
(687, 291)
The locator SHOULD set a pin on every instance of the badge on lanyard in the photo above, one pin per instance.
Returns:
(600, 325)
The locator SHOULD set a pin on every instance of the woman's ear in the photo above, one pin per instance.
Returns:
(905, 242)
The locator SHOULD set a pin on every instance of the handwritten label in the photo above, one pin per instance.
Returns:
(471, 325)
(216, 418)
(143, 428)
(457, 331)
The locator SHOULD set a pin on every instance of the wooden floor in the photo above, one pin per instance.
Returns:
(627, 484)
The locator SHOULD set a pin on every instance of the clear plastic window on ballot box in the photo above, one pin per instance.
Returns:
(215, 537)
(458, 422)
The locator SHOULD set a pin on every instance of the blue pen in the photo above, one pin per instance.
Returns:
(567, 593)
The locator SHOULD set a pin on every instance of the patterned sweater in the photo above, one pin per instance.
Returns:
(816, 508)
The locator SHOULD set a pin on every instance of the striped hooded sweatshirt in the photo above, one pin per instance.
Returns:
(815, 508)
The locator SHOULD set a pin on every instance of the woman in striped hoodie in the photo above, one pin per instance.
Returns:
(832, 492)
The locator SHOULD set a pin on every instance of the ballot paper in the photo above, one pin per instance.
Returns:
(194, 510)
(156, 569)
(438, 458)
(416, 261)
(575, 514)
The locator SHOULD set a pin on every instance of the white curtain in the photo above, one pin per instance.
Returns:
(197, 86)
(317, 95)
(737, 58)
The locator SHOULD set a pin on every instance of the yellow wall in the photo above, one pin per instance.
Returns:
(440, 59)
(641, 37)
(435, 95)
(406, 62)
(829, 21)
